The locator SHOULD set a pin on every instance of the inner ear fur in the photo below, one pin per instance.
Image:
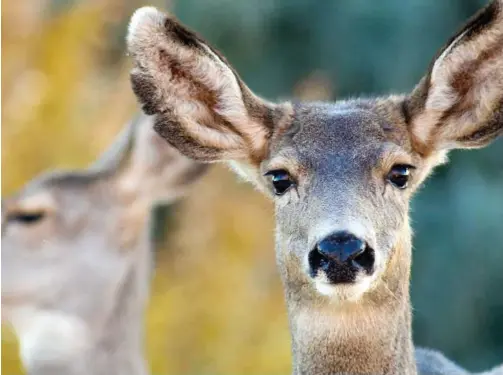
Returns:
(201, 106)
(459, 103)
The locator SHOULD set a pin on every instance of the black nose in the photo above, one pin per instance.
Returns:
(341, 247)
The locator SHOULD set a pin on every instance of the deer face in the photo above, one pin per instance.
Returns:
(62, 264)
(341, 180)
(54, 230)
(341, 174)
(76, 244)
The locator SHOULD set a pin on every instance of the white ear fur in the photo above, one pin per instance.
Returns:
(143, 21)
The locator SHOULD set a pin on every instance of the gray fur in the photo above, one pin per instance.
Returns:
(75, 283)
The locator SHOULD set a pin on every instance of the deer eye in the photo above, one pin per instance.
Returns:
(399, 175)
(281, 181)
(26, 218)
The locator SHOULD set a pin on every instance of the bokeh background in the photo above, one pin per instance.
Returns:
(66, 93)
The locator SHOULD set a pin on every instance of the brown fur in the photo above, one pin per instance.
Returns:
(339, 155)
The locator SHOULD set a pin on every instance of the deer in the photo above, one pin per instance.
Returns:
(341, 175)
(77, 255)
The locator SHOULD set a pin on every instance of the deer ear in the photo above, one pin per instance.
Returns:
(459, 104)
(200, 104)
(149, 167)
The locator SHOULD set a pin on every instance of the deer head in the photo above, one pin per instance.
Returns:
(76, 252)
(341, 174)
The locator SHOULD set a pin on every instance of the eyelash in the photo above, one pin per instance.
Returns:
(26, 218)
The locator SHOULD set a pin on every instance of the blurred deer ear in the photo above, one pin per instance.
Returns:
(459, 103)
(200, 104)
(148, 166)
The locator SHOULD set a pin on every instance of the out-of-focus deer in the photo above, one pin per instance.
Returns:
(341, 175)
(76, 256)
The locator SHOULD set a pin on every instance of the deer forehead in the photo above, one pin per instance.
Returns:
(321, 134)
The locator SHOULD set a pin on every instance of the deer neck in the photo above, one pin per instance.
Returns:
(119, 347)
(70, 342)
(117, 335)
(371, 336)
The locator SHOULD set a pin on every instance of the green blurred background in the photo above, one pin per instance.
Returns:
(66, 94)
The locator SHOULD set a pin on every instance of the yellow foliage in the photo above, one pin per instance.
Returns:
(217, 303)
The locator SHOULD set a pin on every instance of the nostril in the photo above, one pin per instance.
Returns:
(341, 246)
(365, 259)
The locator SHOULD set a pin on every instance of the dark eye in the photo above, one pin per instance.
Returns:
(25, 217)
(399, 175)
(281, 181)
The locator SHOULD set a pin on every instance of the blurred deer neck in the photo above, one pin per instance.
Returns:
(118, 347)
(121, 346)
(111, 344)
(119, 350)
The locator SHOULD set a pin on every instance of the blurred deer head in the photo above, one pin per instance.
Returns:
(341, 174)
(76, 256)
